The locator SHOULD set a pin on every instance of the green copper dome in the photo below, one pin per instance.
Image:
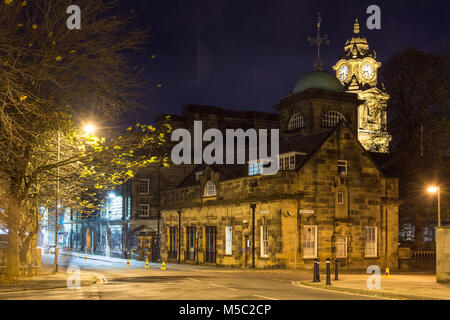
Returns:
(319, 80)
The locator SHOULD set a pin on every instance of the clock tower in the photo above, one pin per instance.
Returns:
(357, 71)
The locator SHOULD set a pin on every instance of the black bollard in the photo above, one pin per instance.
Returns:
(315, 271)
(318, 270)
(328, 272)
(336, 269)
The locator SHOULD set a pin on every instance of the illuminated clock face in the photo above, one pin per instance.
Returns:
(343, 72)
(367, 71)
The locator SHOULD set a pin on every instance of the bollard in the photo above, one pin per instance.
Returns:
(328, 271)
(315, 271)
(318, 270)
(163, 265)
(85, 257)
(146, 262)
(128, 263)
(336, 269)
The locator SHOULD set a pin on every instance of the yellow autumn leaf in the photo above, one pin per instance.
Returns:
(8, 2)
(24, 3)
(34, 26)
(58, 58)
(23, 98)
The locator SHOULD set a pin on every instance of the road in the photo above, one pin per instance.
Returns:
(181, 282)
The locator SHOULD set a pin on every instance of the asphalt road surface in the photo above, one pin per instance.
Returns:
(181, 282)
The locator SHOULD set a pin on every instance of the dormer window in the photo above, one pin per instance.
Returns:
(296, 122)
(287, 162)
(210, 189)
(255, 168)
(331, 119)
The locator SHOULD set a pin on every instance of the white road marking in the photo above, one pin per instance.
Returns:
(298, 284)
(217, 285)
(194, 279)
(264, 297)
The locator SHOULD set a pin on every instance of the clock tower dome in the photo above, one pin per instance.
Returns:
(357, 71)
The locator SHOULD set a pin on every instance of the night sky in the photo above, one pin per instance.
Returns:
(247, 54)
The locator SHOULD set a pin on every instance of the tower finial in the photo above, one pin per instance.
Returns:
(318, 64)
(356, 27)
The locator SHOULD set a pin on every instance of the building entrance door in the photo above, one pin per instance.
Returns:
(211, 234)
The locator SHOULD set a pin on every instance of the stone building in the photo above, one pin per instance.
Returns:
(328, 199)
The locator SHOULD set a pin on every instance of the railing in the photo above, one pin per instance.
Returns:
(417, 254)
(423, 259)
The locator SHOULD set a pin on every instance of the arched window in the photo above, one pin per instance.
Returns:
(331, 118)
(210, 189)
(296, 122)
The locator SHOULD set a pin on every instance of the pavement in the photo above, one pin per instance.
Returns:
(112, 279)
(46, 280)
(396, 286)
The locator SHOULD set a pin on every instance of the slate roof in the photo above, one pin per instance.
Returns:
(301, 143)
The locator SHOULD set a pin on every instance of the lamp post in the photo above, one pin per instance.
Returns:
(436, 189)
(88, 129)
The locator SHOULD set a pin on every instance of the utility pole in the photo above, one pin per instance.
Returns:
(253, 206)
(55, 265)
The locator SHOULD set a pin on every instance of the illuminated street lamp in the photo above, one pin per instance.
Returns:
(89, 128)
(436, 189)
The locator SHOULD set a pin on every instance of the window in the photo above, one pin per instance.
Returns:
(264, 241)
(331, 118)
(296, 122)
(210, 189)
(228, 240)
(255, 168)
(144, 186)
(371, 242)
(143, 210)
(342, 168)
(287, 162)
(341, 247)
(340, 196)
(190, 244)
(173, 243)
(310, 242)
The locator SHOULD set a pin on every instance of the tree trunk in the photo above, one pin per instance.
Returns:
(12, 256)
